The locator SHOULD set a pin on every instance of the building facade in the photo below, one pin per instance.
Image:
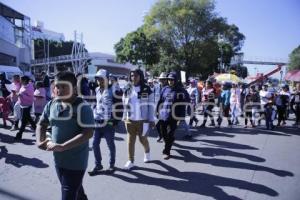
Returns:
(108, 62)
(15, 39)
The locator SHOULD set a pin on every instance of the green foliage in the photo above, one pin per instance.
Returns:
(186, 34)
(241, 71)
(294, 62)
(55, 48)
(137, 48)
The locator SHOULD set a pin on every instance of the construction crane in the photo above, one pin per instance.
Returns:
(262, 77)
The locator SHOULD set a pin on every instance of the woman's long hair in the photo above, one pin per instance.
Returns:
(140, 73)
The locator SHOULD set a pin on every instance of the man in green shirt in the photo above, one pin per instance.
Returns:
(72, 122)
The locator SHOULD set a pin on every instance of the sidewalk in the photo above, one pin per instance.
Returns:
(218, 163)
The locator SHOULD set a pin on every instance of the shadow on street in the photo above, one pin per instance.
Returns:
(19, 160)
(192, 182)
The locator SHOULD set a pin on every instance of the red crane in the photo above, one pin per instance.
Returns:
(264, 77)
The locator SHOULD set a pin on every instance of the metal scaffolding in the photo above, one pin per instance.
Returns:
(79, 55)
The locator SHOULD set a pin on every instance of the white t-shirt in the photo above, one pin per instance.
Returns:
(235, 95)
(135, 111)
(264, 95)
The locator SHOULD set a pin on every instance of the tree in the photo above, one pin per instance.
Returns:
(137, 48)
(185, 27)
(294, 62)
(186, 34)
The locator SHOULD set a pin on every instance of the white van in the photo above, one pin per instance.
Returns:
(10, 71)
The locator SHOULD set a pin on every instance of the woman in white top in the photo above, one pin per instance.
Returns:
(138, 101)
(235, 95)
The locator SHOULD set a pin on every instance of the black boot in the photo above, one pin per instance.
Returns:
(212, 123)
(203, 124)
(18, 136)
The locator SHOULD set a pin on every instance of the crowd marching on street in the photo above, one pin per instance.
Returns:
(66, 112)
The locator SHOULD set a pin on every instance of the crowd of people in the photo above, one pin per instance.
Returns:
(77, 109)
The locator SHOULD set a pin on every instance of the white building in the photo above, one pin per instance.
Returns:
(15, 40)
(108, 62)
(38, 31)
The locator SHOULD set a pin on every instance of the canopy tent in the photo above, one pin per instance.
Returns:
(293, 75)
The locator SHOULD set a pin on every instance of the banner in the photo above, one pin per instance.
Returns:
(183, 76)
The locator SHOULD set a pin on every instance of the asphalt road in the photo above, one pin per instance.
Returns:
(218, 163)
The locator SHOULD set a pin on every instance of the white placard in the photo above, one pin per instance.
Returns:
(145, 129)
(182, 74)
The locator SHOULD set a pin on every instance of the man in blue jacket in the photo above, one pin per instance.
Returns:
(171, 108)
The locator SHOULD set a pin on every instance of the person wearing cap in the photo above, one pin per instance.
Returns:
(163, 79)
(163, 83)
(138, 101)
(170, 110)
(282, 101)
(269, 113)
(104, 125)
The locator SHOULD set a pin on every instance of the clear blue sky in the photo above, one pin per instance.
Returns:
(271, 27)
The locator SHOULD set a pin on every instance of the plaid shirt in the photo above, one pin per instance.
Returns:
(103, 108)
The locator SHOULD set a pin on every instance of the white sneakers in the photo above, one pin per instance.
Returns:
(147, 157)
(128, 165)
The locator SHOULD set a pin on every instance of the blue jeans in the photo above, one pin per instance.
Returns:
(71, 184)
(269, 120)
(108, 132)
